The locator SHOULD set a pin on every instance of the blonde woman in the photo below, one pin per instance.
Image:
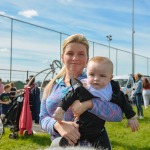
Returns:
(75, 56)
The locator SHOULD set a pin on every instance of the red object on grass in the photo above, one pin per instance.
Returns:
(25, 121)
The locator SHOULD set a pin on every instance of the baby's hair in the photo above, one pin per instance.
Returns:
(102, 60)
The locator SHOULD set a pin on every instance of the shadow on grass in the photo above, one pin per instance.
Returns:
(146, 119)
(43, 140)
(129, 147)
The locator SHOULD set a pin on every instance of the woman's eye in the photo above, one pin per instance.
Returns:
(70, 53)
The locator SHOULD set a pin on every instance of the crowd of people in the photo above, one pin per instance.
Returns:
(141, 94)
(8, 94)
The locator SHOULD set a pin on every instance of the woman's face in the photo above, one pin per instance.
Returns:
(75, 58)
(136, 77)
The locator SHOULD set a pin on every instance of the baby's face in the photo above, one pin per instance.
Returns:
(99, 75)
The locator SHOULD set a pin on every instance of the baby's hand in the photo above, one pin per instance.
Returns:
(133, 123)
(58, 114)
(7, 102)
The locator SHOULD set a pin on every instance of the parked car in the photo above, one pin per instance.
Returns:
(126, 84)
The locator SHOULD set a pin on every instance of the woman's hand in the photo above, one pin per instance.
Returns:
(69, 130)
(79, 108)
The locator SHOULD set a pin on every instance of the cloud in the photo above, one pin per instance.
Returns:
(65, 1)
(2, 13)
(4, 50)
(28, 13)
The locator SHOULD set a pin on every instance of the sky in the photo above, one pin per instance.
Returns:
(94, 18)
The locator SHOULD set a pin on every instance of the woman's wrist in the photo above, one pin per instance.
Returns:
(56, 125)
(88, 104)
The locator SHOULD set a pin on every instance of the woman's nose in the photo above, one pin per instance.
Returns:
(75, 57)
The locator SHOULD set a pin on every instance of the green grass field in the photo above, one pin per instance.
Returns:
(121, 137)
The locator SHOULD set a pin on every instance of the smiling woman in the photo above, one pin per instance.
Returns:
(75, 54)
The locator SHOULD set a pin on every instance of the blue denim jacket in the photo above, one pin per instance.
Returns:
(138, 85)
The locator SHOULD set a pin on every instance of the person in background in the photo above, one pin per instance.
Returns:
(75, 56)
(5, 100)
(146, 92)
(27, 81)
(13, 91)
(138, 94)
(1, 91)
(34, 99)
(1, 86)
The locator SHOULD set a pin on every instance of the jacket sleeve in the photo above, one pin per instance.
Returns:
(118, 98)
(106, 110)
(46, 121)
(126, 107)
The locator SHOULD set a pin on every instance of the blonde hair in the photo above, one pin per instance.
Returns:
(101, 59)
(12, 84)
(138, 75)
(75, 38)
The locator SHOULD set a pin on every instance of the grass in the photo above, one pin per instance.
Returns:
(121, 137)
(32, 142)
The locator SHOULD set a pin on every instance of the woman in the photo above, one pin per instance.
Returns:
(146, 92)
(138, 94)
(74, 56)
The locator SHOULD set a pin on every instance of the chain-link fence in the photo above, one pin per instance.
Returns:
(27, 48)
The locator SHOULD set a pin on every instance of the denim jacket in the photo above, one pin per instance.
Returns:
(138, 87)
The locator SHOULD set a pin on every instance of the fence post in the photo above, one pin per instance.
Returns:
(93, 49)
(27, 74)
(60, 45)
(11, 48)
(116, 62)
